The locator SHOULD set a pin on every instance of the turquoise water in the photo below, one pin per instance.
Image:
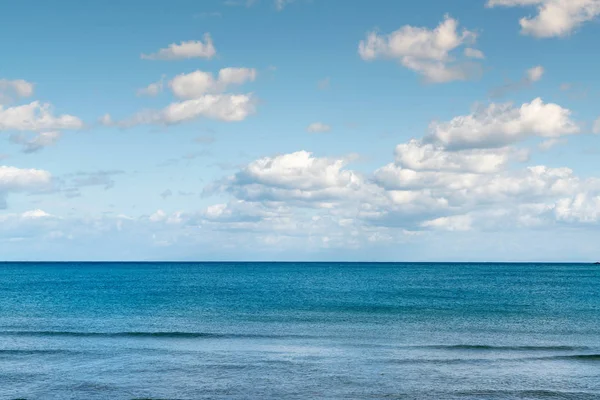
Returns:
(299, 331)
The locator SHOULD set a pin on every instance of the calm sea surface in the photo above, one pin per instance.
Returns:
(299, 331)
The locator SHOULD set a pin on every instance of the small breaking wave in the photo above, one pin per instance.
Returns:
(141, 334)
(502, 348)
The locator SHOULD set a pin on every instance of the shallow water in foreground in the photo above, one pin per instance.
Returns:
(299, 331)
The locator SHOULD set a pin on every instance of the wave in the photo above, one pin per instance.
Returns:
(501, 348)
(526, 394)
(580, 357)
(444, 361)
(139, 334)
(35, 352)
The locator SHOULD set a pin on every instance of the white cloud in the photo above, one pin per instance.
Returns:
(549, 143)
(158, 216)
(531, 76)
(596, 126)
(555, 17)
(296, 176)
(36, 214)
(318, 127)
(280, 4)
(474, 53)
(502, 124)
(14, 179)
(199, 83)
(185, 50)
(223, 107)
(106, 120)
(35, 116)
(454, 223)
(153, 89)
(420, 156)
(581, 208)
(535, 74)
(423, 50)
(11, 90)
(38, 142)
(17, 179)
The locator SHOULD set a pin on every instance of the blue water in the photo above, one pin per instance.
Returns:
(299, 331)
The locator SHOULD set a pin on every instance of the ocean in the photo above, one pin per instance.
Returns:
(299, 331)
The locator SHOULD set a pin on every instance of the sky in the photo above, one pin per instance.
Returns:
(284, 130)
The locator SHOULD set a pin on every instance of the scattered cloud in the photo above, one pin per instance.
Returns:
(11, 90)
(222, 107)
(324, 84)
(318, 127)
(424, 50)
(281, 4)
(71, 184)
(204, 139)
(237, 3)
(35, 116)
(153, 89)
(596, 126)
(565, 86)
(166, 193)
(454, 223)
(535, 74)
(185, 50)
(199, 83)
(38, 142)
(501, 124)
(531, 76)
(106, 120)
(549, 143)
(555, 18)
(474, 53)
(14, 179)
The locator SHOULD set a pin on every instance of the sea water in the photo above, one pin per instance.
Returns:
(299, 331)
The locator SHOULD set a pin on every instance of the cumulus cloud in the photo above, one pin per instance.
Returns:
(454, 223)
(424, 189)
(38, 142)
(581, 208)
(502, 124)
(199, 83)
(14, 179)
(535, 74)
(11, 90)
(185, 50)
(465, 175)
(37, 213)
(298, 176)
(555, 18)
(222, 107)
(420, 156)
(531, 76)
(423, 50)
(474, 53)
(318, 127)
(153, 89)
(35, 116)
(106, 120)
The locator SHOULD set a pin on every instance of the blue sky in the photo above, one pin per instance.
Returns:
(300, 130)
